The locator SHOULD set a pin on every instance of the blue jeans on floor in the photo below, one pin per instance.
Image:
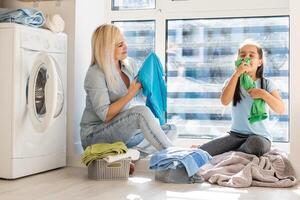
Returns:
(125, 125)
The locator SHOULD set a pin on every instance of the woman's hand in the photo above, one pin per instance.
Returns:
(134, 87)
(118, 105)
(257, 93)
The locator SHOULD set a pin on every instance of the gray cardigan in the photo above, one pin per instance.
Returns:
(99, 96)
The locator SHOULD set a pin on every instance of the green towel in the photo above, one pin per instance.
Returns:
(102, 150)
(258, 111)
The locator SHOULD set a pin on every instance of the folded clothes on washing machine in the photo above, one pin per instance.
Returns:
(27, 16)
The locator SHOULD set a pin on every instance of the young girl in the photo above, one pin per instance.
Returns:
(110, 86)
(245, 135)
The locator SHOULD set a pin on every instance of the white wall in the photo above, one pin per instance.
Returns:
(81, 19)
(88, 17)
(294, 84)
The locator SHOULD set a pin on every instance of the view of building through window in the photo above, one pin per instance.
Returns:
(139, 37)
(132, 4)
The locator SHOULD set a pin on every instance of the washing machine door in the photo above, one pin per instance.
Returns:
(45, 92)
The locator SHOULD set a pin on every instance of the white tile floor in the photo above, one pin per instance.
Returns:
(72, 183)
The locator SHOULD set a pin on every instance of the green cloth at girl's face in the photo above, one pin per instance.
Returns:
(258, 111)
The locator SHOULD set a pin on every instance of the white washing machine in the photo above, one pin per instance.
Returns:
(33, 80)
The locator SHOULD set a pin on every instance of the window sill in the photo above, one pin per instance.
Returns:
(180, 142)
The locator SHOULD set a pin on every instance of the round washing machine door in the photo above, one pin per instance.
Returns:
(45, 92)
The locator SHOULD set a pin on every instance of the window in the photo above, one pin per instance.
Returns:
(132, 4)
(200, 57)
(140, 38)
(198, 53)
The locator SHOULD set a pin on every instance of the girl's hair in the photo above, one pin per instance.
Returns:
(104, 40)
(259, 72)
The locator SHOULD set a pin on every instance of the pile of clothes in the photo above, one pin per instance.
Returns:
(179, 165)
(33, 18)
(110, 152)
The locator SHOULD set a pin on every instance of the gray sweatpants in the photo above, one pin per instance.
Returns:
(251, 144)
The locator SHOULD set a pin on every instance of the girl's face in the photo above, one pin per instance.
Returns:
(250, 51)
(120, 49)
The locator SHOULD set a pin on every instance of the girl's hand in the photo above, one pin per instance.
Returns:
(241, 69)
(194, 146)
(257, 93)
(134, 88)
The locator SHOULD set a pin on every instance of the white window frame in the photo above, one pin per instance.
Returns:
(192, 9)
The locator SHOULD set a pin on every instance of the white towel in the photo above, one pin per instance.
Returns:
(55, 23)
(131, 153)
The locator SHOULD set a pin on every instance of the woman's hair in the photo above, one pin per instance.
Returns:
(259, 72)
(104, 40)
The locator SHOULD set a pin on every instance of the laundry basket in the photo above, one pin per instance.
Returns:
(102, 170)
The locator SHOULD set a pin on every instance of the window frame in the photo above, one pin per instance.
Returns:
(131, 9)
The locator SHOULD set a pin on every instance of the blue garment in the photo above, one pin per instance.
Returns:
(154, 87)
(240, 112)
(27, 16)
(135, 140)
(173, 157)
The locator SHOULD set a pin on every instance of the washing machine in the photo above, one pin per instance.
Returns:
(33, 80)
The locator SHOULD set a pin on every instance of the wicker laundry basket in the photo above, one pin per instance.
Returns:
(102, 170)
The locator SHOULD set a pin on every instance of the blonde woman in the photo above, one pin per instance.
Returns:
(110, 87)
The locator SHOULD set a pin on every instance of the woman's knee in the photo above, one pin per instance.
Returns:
(142, 110)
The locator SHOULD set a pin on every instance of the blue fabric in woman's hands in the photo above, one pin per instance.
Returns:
(154, 87)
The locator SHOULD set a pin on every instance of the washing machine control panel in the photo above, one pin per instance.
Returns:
(43, 40)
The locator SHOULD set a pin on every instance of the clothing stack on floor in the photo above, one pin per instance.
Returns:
(109, 161)
(178, 165)
(34, 18)
(238, 169)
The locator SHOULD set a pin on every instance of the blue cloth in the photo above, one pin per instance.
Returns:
(135, 140)
(154, 88)
(240, 112)
(27, 16)
(173, 157)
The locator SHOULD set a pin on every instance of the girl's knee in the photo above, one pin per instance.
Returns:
(257, 145)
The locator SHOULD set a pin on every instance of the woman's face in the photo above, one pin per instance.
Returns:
(121, 49)
(250, 51)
